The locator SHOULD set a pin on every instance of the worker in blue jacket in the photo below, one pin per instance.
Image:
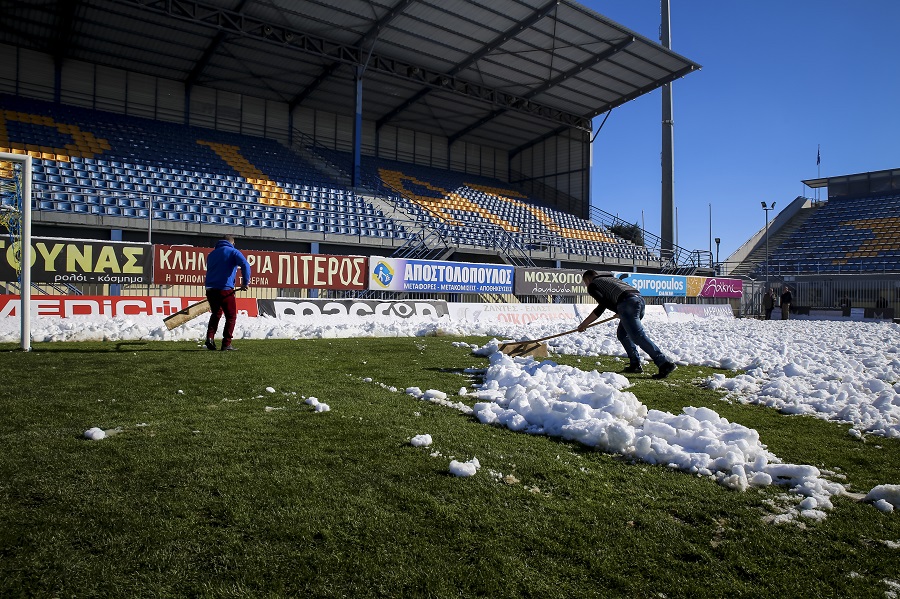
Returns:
(221, 270)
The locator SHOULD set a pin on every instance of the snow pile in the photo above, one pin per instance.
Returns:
(885, 497)
(438, 397)
(421, 441)
(488, 349)
(464, 468)
(546, 398)
(95, 434)
(835, 370)
(317, 405)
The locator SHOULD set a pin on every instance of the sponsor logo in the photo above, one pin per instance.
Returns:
(722, 288)
(384, 274)
(654, 286)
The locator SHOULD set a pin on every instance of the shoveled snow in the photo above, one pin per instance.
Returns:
(545, 398)
(469, 468)
(94, 433)
(421, 441)
(317, 405)
(885, 497)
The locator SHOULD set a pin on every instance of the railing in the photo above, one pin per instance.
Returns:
(817, 267)
(675, 261)
(14, 287)
(516, 248)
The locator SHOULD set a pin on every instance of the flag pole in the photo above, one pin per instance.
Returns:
(818, 168)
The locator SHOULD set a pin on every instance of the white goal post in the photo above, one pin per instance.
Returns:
(25, 241)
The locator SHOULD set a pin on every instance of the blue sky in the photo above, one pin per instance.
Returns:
(779, 78)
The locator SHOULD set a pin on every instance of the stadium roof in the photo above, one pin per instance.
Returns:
(504, 74)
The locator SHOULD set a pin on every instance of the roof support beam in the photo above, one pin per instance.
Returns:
(590, 62)
(319, 80)
(550, 83)
(505, 36)
(386, 18)
(201, 13)
(535, 141)
(475, 57)
(210, 51)
(468, 129)
(65, 21)
(371, 34)
(609, 107)
(643, 90)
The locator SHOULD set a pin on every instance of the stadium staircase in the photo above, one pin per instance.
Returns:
(754, 264)
(479, 212)
(427, 239)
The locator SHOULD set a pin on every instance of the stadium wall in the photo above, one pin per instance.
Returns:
(558, 170)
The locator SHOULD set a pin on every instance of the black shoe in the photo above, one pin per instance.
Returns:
(665, 370)
(633, 369)
(211, 344)
(229, 347)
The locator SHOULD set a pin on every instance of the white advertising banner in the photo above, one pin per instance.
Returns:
(686, 312)
(527, 313)
(512, 313)
(651, 314)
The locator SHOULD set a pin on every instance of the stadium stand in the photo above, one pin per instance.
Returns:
(472, 209)
(98, 163)
(93, 162)
(844, 235)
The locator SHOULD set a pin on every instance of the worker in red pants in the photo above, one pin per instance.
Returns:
(221, 270)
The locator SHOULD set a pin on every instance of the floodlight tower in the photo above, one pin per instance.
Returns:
(667, 224)
(766, 209)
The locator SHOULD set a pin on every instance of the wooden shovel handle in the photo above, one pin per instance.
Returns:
(613, 317)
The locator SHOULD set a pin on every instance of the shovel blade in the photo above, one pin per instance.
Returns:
(186, 315)
(527, 348)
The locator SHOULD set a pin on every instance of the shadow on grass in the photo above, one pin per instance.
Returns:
(122, 346)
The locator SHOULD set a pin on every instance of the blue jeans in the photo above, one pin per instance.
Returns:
(631, 332)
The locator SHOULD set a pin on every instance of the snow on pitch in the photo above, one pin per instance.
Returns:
(843, 371)
(546, 398)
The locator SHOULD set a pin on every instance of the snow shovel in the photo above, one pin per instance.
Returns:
(537, 347)
(190, 313)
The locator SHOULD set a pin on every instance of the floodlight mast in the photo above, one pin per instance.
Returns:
(667, 225)
(766, 209)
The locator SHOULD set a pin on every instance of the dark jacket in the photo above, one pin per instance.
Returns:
(768, 301)
(222, 264)
(608, 291)
(786, 298)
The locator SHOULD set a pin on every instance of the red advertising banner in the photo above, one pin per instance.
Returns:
(66, 306)
(186, 265)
